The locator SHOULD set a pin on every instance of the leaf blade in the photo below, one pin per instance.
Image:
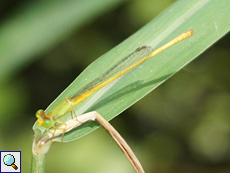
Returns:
(121, 94)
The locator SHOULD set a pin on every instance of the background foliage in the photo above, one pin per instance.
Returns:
(183, 125)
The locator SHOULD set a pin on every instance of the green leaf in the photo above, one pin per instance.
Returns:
(208, 18)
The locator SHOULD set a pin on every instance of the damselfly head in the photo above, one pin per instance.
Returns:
(43, 120)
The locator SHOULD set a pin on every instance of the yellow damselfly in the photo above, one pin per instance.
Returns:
(128, 63)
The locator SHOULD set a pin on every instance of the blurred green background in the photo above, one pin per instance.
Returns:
(182, 126)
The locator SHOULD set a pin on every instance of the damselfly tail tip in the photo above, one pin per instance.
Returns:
(190, 32)
(185, 35)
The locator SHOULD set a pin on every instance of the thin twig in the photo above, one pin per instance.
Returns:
(42, 146)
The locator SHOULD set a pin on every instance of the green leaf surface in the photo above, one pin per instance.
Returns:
(208, 18)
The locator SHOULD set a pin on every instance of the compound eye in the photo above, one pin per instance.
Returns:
(47, 123)
(39, 113)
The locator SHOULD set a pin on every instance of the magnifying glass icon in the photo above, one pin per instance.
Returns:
(9, 160)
